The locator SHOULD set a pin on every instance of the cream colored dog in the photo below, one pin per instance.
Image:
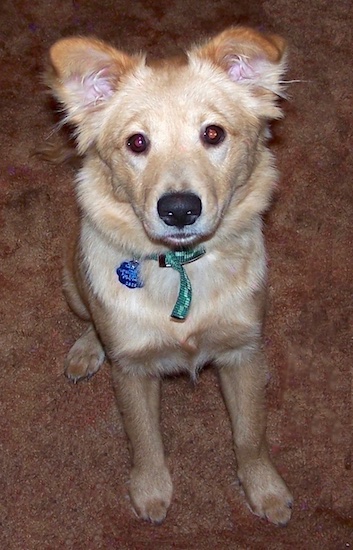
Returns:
(168, 266)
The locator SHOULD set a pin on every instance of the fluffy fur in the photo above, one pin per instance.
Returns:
(229, 84)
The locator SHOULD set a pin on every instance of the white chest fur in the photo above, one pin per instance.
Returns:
(221, 316)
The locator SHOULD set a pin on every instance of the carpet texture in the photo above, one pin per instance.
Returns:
(64, 457)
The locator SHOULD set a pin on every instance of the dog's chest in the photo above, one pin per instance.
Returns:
(142, 333)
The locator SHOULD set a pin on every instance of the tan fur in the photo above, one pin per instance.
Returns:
(232, 82)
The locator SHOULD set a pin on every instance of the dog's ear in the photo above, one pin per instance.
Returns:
(250, 59)
(83, 74)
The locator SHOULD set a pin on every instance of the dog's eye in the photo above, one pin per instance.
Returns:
(213, 135)
(138, 143)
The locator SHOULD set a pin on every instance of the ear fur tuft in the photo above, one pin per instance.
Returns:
(249, 58)
(91, 64)
(84, 74)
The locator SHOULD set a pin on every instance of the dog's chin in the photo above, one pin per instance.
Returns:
(180, 240)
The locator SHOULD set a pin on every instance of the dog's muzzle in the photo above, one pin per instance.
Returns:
(179, 209)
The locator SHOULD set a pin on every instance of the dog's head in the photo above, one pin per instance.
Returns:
(176, 139)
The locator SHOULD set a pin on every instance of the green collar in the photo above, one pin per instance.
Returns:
(129, 275)
(176, 260)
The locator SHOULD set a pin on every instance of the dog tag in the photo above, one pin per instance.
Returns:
(129, 274)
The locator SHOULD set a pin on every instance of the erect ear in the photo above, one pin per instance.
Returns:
(251, 59)
(84, 73)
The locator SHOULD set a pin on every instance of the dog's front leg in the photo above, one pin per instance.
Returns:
(243, 385)
(150, 484)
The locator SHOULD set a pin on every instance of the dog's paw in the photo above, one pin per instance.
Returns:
(151, 493)
(266, 492)
(85, 357)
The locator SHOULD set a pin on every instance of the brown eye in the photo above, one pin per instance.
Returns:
(138, 143)
(213, 135)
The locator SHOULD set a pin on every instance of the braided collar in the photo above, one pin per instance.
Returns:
(129, 275)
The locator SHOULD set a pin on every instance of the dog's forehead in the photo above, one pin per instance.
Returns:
(177, 81)
(167, 74)
(176, 96)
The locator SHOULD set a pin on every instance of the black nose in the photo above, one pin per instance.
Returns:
(179, 209)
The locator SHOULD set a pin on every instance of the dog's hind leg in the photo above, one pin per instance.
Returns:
(150, 483)
(243, 386)
(87, 354)
(85, 357)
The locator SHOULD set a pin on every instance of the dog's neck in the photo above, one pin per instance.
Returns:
(128, 273)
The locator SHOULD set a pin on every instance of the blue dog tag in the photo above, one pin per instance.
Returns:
(129, 274)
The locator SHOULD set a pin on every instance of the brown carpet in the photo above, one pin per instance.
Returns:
(64, 457)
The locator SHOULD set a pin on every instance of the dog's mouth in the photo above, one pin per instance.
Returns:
(181, 240)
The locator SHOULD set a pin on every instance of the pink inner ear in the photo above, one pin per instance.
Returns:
(92, 89)
(240, 69)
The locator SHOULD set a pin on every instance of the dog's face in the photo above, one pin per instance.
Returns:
(178, 138)
(176, 150)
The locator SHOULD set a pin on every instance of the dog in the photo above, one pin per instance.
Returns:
(168, 264)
